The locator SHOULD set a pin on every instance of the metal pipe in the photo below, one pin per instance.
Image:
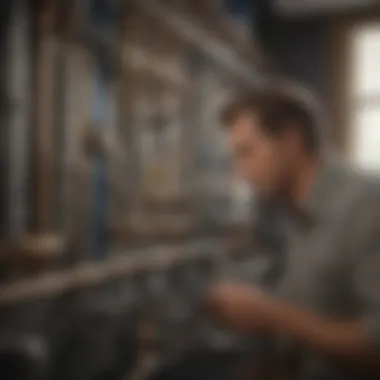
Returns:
(18, 90)
(118, 266)
(44, 146)
(211, 45)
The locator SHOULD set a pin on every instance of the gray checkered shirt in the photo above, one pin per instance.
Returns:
(331, 261)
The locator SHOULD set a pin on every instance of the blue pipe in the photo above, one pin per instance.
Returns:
(104, 16)
(100, 170)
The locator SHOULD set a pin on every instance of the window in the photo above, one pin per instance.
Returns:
(365, 97)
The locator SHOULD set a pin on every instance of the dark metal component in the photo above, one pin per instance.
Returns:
(18, 90)
(303, 8)
(23, 357)
(63, 118)
(99, 337)
(198, 364)
(5, 104)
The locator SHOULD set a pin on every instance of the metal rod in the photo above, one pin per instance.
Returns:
(118, 266)
(18, 79)
(210, 44)
(44, 149)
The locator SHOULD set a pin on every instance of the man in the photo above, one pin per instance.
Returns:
(325, 306)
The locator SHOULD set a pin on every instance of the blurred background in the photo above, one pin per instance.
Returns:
(117, 203)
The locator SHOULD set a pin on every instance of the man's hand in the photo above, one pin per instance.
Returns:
(242, 308)
(246, 309)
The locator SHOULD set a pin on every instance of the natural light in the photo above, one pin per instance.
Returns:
(365, 120)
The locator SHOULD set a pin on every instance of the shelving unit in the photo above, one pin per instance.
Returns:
(155, 150)
(178, 65)
(120, 227)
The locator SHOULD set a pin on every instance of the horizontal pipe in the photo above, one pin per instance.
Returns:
(118, 266)
(301, 8)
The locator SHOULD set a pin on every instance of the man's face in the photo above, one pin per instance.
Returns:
(264, 162)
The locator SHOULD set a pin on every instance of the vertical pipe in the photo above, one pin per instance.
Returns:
(205, 150)
(44, 153)
(192, 128)
(100, 169)
(81, 98)
(60, 135)
(123, 115)
(103, 16)
(64, 123)
(18, 89)
(113, 157)
(78, 222)
(66, 118)
(5, 13)
(118, 158)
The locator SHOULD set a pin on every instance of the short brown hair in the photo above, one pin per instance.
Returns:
(277, 107)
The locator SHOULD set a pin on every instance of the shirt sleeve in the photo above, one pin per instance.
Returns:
(367, 287)
(366, 268)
